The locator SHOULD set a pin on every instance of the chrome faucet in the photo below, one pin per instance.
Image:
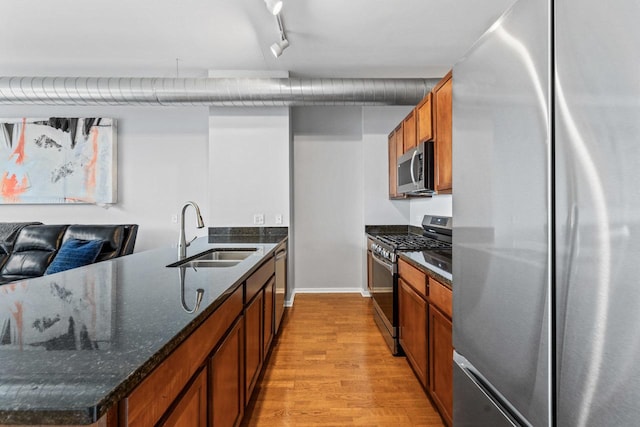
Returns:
(182, 243)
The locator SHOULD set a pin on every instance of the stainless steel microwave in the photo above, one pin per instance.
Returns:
(415, 170)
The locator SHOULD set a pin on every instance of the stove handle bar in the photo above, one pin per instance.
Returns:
(384, 263)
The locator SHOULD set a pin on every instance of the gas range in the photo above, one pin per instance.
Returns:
(434, 244)
(436, 237)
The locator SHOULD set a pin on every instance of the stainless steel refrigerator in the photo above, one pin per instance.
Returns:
(546, 207)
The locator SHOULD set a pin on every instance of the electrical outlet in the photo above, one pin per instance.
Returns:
(278, 218)
(258, 219)
(174, 218)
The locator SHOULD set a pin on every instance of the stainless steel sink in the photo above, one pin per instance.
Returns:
(216, 258)
(230, 255)
(209, 263)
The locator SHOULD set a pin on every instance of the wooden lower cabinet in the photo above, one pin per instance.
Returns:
(413, 311)
(226, 379)
(151, 400)
(269, 303)
(441, 362)
(253, 343)
(208, 379)
(426, 332)
(191, 408)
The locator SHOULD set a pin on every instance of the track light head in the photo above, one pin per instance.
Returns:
(274, 6)
(279, 47)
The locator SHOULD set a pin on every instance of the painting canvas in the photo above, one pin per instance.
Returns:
(58, 160)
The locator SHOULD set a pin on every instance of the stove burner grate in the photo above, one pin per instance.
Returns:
(406, 242)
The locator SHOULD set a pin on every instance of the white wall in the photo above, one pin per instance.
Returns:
(328, 198)
(340, 183)
(377, 123)
(162, 162)
(436, 205)
(249, 166)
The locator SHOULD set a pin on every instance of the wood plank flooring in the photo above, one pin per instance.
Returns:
(331, 367)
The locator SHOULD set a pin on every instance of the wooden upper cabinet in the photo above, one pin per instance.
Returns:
(424, 128)
(409, 131)
(393, 168)
(442, 103)
(395, 150)
(399, 140)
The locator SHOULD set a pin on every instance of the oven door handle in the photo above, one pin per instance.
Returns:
(386, 265)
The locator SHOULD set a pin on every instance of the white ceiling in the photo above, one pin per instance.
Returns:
(328, 38)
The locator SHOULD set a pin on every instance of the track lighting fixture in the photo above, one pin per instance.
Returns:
(274, 6)
(278, 47)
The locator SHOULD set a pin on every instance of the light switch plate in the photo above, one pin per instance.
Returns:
(258, 219)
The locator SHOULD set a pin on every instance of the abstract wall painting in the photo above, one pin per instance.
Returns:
(58, 160)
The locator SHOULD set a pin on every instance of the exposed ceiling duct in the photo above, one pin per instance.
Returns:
(233, 92)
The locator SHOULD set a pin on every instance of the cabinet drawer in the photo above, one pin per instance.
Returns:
(259, 278)
(414, 277)
(441, 297)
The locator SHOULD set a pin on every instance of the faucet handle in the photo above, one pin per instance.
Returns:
(190, 241)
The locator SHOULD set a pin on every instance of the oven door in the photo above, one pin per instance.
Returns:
(384, 290)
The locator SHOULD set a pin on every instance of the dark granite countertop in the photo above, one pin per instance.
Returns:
(74, 343)
(417, 260)
(374, 230)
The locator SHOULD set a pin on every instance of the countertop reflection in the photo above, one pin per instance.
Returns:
(75, 342)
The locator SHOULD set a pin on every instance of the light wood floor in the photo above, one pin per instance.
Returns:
(331, 367)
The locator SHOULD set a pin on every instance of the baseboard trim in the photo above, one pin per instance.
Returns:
(289, 303)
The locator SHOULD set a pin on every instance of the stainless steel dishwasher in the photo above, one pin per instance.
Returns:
(281, 282)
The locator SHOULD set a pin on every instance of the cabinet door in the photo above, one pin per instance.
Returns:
(441, 358)
(191, 408)
(269, 294)
(226, 380)
(409, 131)
(413, 329)
(253, 343)
(393, 174)
(399, 141)
(424, 129)
(442, 103)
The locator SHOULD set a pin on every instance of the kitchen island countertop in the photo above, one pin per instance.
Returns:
(73, 344)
